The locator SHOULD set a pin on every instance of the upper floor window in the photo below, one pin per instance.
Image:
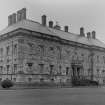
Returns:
(104, 59)
(15, 49)
(97, 71)
(103, 71)
(82, 55)
(31, 45)
(7, 50)
(51, 51)
(60, 69)
(97, 58)
(1, 51)
(51, 48)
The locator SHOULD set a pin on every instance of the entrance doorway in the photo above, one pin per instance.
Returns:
(77, 72)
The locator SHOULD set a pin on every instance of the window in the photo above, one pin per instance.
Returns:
(97, 72)
(8, 67)
(67, 70)
(41, 49)
(29, 79)
(82, 54)
(97, 58)
(31, 45)
(29, 64)
(51, 69)
(1, 59)
(89, 72)
(41, 67)
(15, 68)
(51, 48)
(103, 71)
(1, 51)
(75, 53)
(7, 50)
(14, 79)
(1, 69)
(15, 49)
(104, 59)
(60, 67)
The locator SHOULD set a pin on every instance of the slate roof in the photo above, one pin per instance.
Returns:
(37, 27)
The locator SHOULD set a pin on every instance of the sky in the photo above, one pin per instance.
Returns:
(89, 14)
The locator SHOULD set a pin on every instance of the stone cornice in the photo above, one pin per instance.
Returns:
(21, 32)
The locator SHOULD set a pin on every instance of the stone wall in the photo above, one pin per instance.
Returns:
(41, 56)
(32, 59)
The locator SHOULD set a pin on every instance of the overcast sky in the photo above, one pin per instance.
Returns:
(89, 14)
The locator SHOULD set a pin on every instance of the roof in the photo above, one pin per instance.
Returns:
(37, 27)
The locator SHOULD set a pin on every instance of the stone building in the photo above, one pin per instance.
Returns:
(31, 52)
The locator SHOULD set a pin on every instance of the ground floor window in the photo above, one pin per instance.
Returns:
(51, 69)
(41, 67)
(8, 67)
(15, 68)
(1, 69)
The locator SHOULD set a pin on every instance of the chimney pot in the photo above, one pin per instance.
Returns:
(93, 34)
(51, 24)
(44, 20)
(57, 27)
(88, 35)
(66, 28)
(82, 31)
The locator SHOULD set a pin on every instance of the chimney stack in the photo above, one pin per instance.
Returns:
(21, 14)
(82, 31)
(13, 18)
(57, 26)
(93, 34)
(66, 28)
(9, 20)
(88, 35)
(51, 24)
(44, 20)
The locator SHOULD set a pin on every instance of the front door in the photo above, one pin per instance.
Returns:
(76, 72)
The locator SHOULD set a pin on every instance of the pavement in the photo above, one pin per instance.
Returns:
(54, 96)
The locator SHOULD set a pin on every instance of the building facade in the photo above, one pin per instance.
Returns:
(32, 52)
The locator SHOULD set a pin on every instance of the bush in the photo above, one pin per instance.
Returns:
(6, 83)
(84, 82)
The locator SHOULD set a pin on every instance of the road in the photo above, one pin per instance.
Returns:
(60, 96)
